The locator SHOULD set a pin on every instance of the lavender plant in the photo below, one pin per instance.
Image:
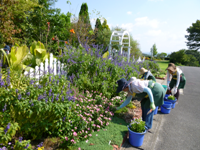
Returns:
(90, 71)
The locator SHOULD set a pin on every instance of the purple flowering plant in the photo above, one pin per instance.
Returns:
(90, 71)
(8, 128)
(69, 107)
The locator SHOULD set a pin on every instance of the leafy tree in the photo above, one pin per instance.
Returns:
(184, 57)
(161, 55)
(194, 36)
(98, 24)
(38, 28)
(84, 33)
(195, 53)
(178, 57)
(105, 25)
(97, 29)
(103, 37)
(60, 27)
(84, 15)
(13, 18)
(191, 61)
(154, 50)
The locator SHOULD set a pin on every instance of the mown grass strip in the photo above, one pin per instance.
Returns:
(113, 134)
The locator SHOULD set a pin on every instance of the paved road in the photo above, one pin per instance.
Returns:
(180, 130)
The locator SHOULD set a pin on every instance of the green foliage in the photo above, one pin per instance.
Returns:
(171, 97)
(105, 25)
(8, 127)
(137, 125)
(25, 144)
(98, 24)
(154, 50)
(39, 54)
(161, 55)
(14, 20)
(17, 56)
(84, 15)
(195, 53)
(194, 36)
(185, 59)
(91, 72)
(103, 38)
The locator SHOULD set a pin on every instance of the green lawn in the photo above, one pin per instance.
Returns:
(112, 135)
(163, 64)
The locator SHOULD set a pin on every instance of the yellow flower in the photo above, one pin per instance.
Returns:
(40, 148)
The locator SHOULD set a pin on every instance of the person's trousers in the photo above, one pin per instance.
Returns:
(147, 118)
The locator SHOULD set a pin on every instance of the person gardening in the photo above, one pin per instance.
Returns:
(178, 79)
(3, 58)
(152, 93)
(147, 75)
(7, 49)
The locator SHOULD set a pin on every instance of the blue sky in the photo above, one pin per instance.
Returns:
(163, 22)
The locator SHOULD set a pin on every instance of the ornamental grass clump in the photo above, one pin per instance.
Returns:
(137, 125)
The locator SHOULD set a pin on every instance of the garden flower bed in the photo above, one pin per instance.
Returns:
(69, 109)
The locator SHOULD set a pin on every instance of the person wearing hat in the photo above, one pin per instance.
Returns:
(178, 79)
(152, 93)
(7, 49)
(147, 75)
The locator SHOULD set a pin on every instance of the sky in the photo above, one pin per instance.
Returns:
(160, 22)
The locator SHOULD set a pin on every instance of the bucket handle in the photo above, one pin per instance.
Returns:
(171, 101)
(165, 107)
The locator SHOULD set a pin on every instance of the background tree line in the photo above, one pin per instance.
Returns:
(22, 22)
(189, 57)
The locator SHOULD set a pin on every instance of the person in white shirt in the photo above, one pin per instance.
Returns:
(152, 93)
(178, 79)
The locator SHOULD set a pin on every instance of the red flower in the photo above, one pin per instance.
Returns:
(53, 38)
(48, 23)
(72, 31)
(66, 42)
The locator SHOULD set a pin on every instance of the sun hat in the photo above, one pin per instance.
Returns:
(122, 83)
(143, 70)
(7, 48)
(171, 67)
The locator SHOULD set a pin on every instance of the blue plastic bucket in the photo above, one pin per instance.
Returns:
(156, 110)
(166, 107)
(166, 97)
(172, 101)
(136, 139)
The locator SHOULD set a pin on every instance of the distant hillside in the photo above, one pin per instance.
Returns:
(146, 55)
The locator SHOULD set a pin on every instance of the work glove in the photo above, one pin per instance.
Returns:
(152, 106)
(168, 85)
(118, 108)
(175, 91)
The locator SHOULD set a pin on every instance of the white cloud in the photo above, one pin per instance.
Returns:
(127, 26)
(129, 12)
(154, 32)
(145, 21)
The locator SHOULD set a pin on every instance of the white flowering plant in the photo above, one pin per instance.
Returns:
(137, 125)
